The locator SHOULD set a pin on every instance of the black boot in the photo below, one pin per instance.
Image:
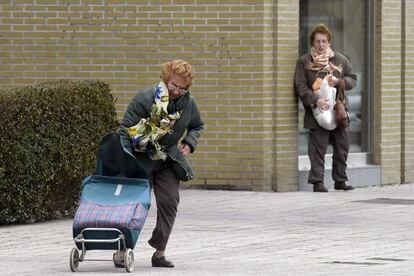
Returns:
(342, 185)
(160, 262)
(319, 187)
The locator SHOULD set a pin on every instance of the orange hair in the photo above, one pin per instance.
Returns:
(178, 67)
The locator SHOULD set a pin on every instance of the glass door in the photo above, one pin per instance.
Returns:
(348, 22)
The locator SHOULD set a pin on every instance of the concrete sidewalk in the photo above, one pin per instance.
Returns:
(368, 231)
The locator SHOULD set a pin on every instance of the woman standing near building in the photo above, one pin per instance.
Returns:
(323, 62)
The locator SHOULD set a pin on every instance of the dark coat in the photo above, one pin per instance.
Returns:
(304, 79)
(189, 125)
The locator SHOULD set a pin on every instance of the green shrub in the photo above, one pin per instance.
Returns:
(49, 136)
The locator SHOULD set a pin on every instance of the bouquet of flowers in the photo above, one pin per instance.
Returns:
(146, 134)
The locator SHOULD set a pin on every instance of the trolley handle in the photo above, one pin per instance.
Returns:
(101, 229)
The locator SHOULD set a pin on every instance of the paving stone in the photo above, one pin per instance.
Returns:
(368, 231)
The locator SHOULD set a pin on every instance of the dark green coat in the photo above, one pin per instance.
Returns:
(189, 124)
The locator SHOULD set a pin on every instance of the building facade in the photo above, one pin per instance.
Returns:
(244, 53)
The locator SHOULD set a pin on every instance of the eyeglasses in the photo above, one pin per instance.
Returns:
(174, 87)
(320, 41)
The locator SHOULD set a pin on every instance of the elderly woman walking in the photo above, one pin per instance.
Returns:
(162, 125)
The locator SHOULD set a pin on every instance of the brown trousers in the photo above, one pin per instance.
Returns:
(166, 189)
(319, 139)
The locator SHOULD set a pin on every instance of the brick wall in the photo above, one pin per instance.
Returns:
(408, 92)
(235, 46)
(393, 91)
(244, 54)
(285, 112)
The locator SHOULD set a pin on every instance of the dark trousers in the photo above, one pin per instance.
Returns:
(166, 189)
(318, 143)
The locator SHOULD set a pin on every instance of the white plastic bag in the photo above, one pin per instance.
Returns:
(326, 118)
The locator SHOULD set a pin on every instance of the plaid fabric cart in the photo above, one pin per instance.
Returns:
(113, 207)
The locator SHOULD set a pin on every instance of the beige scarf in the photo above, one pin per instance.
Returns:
(321, 63)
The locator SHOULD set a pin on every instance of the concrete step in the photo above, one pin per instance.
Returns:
(358, 176)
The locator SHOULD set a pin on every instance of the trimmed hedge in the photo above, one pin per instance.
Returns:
(49, 136)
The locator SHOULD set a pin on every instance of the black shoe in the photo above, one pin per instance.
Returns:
(160, 262)
(319, 187)
(342, 185)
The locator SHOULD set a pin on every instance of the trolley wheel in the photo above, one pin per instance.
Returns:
(118, 259)
(74, 259)
(129, 260)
